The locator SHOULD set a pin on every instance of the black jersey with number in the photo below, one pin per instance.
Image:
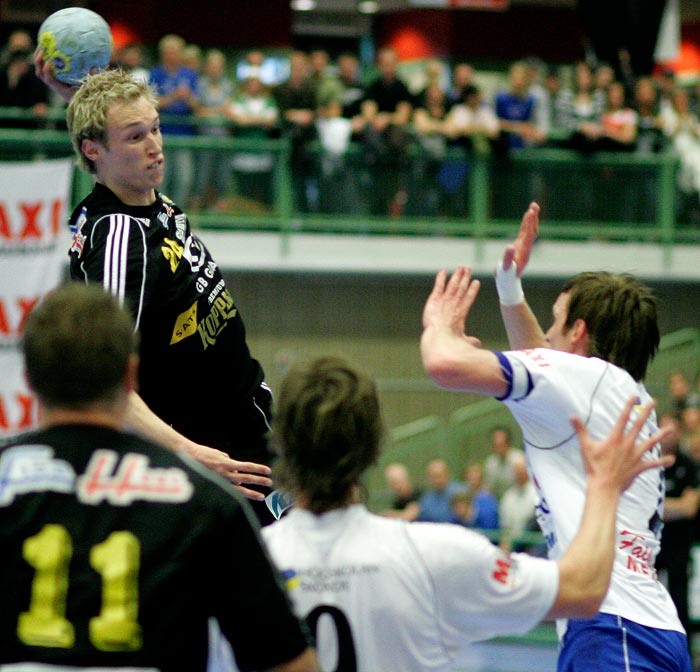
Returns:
(115, 552)
(196, 371)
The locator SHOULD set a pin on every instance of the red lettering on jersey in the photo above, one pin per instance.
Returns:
(133, 479)
(537, 357)
(640, 554)
(502, 571)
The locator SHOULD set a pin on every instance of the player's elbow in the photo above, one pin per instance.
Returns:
(579, 596)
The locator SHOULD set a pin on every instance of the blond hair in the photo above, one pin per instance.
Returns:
(88, 109)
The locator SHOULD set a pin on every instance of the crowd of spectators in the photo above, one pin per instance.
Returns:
(369, 139)
(495, 495)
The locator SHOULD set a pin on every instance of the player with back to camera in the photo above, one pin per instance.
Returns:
(199, 389)
(592, 359)
(88, 580)
(390, 595)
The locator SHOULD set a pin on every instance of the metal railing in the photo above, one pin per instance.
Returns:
(559, 177)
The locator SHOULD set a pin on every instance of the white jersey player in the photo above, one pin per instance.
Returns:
(385, 594)
(590, 361)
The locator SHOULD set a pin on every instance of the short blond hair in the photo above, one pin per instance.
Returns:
(87, 110)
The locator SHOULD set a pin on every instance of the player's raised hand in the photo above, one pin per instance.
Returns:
(519, 251)
(618, 459)
(44, 72)
(451, 300)
(238, 473)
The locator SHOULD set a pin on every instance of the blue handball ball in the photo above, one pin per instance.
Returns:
(74, 41)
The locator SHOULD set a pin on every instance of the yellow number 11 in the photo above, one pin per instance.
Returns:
(116, 560)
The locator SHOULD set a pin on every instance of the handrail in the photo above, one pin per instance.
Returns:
(478, 224)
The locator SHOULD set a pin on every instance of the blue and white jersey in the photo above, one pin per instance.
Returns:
(546, 388)
(386, 595)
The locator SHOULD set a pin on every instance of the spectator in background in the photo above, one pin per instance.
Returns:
(681, 393)
(337, 190)
(618, 122)
(690, 426)
(177, 88)
(646, 103)
(213, 166)
(255, 115)
(499, 467)
(515, 108)
(517, 115)
(462, 77)
(471, 124)
(19, 87)
(386, 109)
(473, 121)
(349, 86)
(517, 506)
(130, 58)
(406, 496)
(425, 197)
(17, 40)
(553, 85)
(484, 505)
(296, 102)
(319, 72)
(650, 140)
(433, 78)
(536, 69)
(435, 503)
(680, 510)
(603, 77)
(192, 57)
(682, 128)
(579, 109)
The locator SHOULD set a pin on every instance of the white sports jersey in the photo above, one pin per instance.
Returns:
(547, 387)
(384, 594)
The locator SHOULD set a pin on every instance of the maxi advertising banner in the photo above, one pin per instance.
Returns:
(34, 243)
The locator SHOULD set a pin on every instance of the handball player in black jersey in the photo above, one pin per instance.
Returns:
(199, 388)
(116, 552)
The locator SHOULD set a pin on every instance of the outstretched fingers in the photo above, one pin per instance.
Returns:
(525, 240)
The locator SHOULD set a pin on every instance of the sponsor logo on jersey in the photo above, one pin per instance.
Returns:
(169, 210)
(291, 580)
(503, 571)
(185, 324)
(222, 310)
(121, 482)
(33, 468)
(79, 239)
(537, 356)
(163, 219)
(639, 552)
(180, 227)
(333, 579)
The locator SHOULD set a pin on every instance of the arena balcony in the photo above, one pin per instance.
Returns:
(314, 211)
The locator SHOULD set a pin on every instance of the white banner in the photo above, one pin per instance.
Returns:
(34, 240)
